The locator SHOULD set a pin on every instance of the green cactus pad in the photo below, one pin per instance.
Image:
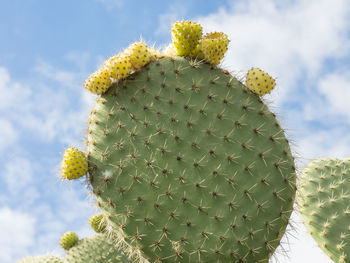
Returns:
(324, 204)
(190, 166)
(96, 249)
(41, 259)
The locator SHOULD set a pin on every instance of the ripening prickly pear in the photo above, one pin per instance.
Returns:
(259, 81)
(68, 240)
(214, 46)
(41, 259)
(74, 164)
(139, 54)
(186, 36)
(324, 204)
(188, 165)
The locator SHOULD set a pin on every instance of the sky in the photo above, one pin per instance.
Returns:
(48, 49)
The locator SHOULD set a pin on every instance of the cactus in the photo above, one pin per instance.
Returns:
(96, 249)
(324, 204)
(100, 248)
(41, 259)
(187, 163)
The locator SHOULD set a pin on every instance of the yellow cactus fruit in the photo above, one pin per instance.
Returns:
(259, 81)
(138, 54)
(98, 223)
(98, 82)
(185, 36)
(119, 66)
(214, 46)
(68, 240)
(74, 164)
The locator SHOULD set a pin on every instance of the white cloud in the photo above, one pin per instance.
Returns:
(8, 134)
(17, 174)
(17, 234)
(44, 106)
(335, 87)
(290, 41)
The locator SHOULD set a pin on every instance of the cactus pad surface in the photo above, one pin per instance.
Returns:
(190, 166)
(96, 249)
(324, 204)
(41, 259)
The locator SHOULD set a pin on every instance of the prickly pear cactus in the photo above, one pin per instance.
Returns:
(324, 204)
(187, 162)
(96, 249)
(41, 259)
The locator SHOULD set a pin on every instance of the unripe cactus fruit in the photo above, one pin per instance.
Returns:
(41, 259)
(190, 166)
(324, 204)
(139, 54)
(68, 240)
(98, 223)
(74, 164)
(98, 82)
(259, 81)
(185, 36)
(214, 46)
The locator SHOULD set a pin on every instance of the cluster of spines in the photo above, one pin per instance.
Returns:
(324, 203)
(135, 135)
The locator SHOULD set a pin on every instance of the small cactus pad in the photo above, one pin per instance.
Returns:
(259, 81)
(139, 54)
(324, 204)
(96, 249)
(98, 223)
(98, 82)
(68, 240)
(190, 166)
(41, 259)
(185, 36)
(214, 46)
(74, 164)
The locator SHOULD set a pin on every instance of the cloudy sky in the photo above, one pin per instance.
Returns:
(48, 48)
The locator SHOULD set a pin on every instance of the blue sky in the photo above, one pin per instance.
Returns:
(48, 48)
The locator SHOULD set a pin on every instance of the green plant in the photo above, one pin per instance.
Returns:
(324, 204)
(41, 259)
(187, 163)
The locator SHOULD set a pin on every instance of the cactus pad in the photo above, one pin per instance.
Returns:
(96, 249)
(190, 166)
(324, 204)
(41, 259)
(74, 164)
